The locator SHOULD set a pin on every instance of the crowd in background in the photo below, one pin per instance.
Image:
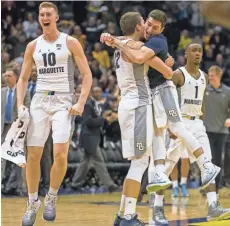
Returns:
(86, 21)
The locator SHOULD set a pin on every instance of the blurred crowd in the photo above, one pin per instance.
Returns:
(86, 21)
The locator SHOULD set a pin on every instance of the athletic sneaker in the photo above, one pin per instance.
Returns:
(31, 212)
(117, 220)
(175, 192)
(158, 216)
(208, 174)
(49, 213)
(159, 181)
(131, 220)
(184, 190)
(217, 213)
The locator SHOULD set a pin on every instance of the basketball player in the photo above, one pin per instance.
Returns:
(191, 83)
(165, 103)
(135, 116)
(55, 55)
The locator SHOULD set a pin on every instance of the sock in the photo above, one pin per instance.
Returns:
(159, 200)
(201, 160)
(122, 206)
(130, 206)
(183, 180)
(52, 192)
(33, 196)
(175, 183)
(160, 168)
(212, 197)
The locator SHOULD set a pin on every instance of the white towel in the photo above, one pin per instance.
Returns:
(14, 144)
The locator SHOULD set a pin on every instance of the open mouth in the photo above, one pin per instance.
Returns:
(46, 24)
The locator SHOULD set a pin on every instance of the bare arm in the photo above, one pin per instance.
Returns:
(178, 78)
(203, 108)
(138, 56)
(82, 63)
(25, 73)
(160, 66)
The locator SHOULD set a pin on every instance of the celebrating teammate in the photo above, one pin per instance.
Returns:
(55, 55)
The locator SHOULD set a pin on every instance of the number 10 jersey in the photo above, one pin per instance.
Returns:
(55, 65)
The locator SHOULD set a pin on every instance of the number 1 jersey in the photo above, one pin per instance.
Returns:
(55, 65)
(191, 94)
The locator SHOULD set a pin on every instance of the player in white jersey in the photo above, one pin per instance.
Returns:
(54, 54)
(191, 83)
(135, 116)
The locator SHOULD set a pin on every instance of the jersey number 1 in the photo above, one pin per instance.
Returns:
(51, 59)
(196, 94)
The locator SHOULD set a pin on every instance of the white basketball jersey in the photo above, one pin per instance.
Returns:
(133, 83)
(55, 65)
(191, 94)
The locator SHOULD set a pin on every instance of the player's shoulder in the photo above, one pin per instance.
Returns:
(178, 72)
(31, 46)
(72, 43)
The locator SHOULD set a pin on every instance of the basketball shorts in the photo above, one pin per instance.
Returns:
(136, 131)
(46, 112)
(165, 104)
(177, 149)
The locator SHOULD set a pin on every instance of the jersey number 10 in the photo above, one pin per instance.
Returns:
(51, 59)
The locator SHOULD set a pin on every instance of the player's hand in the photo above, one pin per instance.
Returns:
(107, 39)
(21, 110)
(171, 135)
(170, 61)
(106, 114)
(227, 123)
(76, 109)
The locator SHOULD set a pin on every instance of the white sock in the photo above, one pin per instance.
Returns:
(175, 183)
(52, 192)
(122, 206)
(130, 206)
(212, 197)
(201, 160)
(160, 168)
(33, 196)
(158, 200)
(183, 180)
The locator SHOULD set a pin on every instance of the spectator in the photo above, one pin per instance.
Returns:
(92, 31)
(217, 118)
(184, 40)
(95, 69)
(30, 27)
(32, 82)
(20, 46)
(77, 33)
(8, 115)
(101, 56)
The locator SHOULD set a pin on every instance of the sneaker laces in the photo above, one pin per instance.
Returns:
(31, 208)
(50, 202)
(160, 213)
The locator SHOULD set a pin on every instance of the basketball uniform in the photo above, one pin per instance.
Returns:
(54, 92)
(190, 100)
(135, 108)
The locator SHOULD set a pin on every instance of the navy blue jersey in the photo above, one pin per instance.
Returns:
(160, 46)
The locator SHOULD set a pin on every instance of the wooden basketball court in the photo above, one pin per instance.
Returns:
(98, 210)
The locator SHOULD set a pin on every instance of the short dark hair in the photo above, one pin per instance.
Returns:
(129, 21)
(159, 15)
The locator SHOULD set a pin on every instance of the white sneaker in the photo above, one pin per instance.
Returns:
(160, 181)
(208, 174)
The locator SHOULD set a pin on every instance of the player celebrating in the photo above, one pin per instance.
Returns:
(135, 115)
(54, 54)
(191, 83)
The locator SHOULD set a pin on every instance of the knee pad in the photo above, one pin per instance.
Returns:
(137, 168)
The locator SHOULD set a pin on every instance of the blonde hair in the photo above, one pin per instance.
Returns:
(216, 69)
(48, 5)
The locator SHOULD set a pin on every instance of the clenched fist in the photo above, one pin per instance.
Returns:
(76, 109)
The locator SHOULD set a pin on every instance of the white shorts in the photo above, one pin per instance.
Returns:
(177, 149)
(48, 111)
(136, 131)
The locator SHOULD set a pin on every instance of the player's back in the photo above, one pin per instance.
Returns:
(191, 94)
(55, 65)
(133, 83)
(160, 46)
